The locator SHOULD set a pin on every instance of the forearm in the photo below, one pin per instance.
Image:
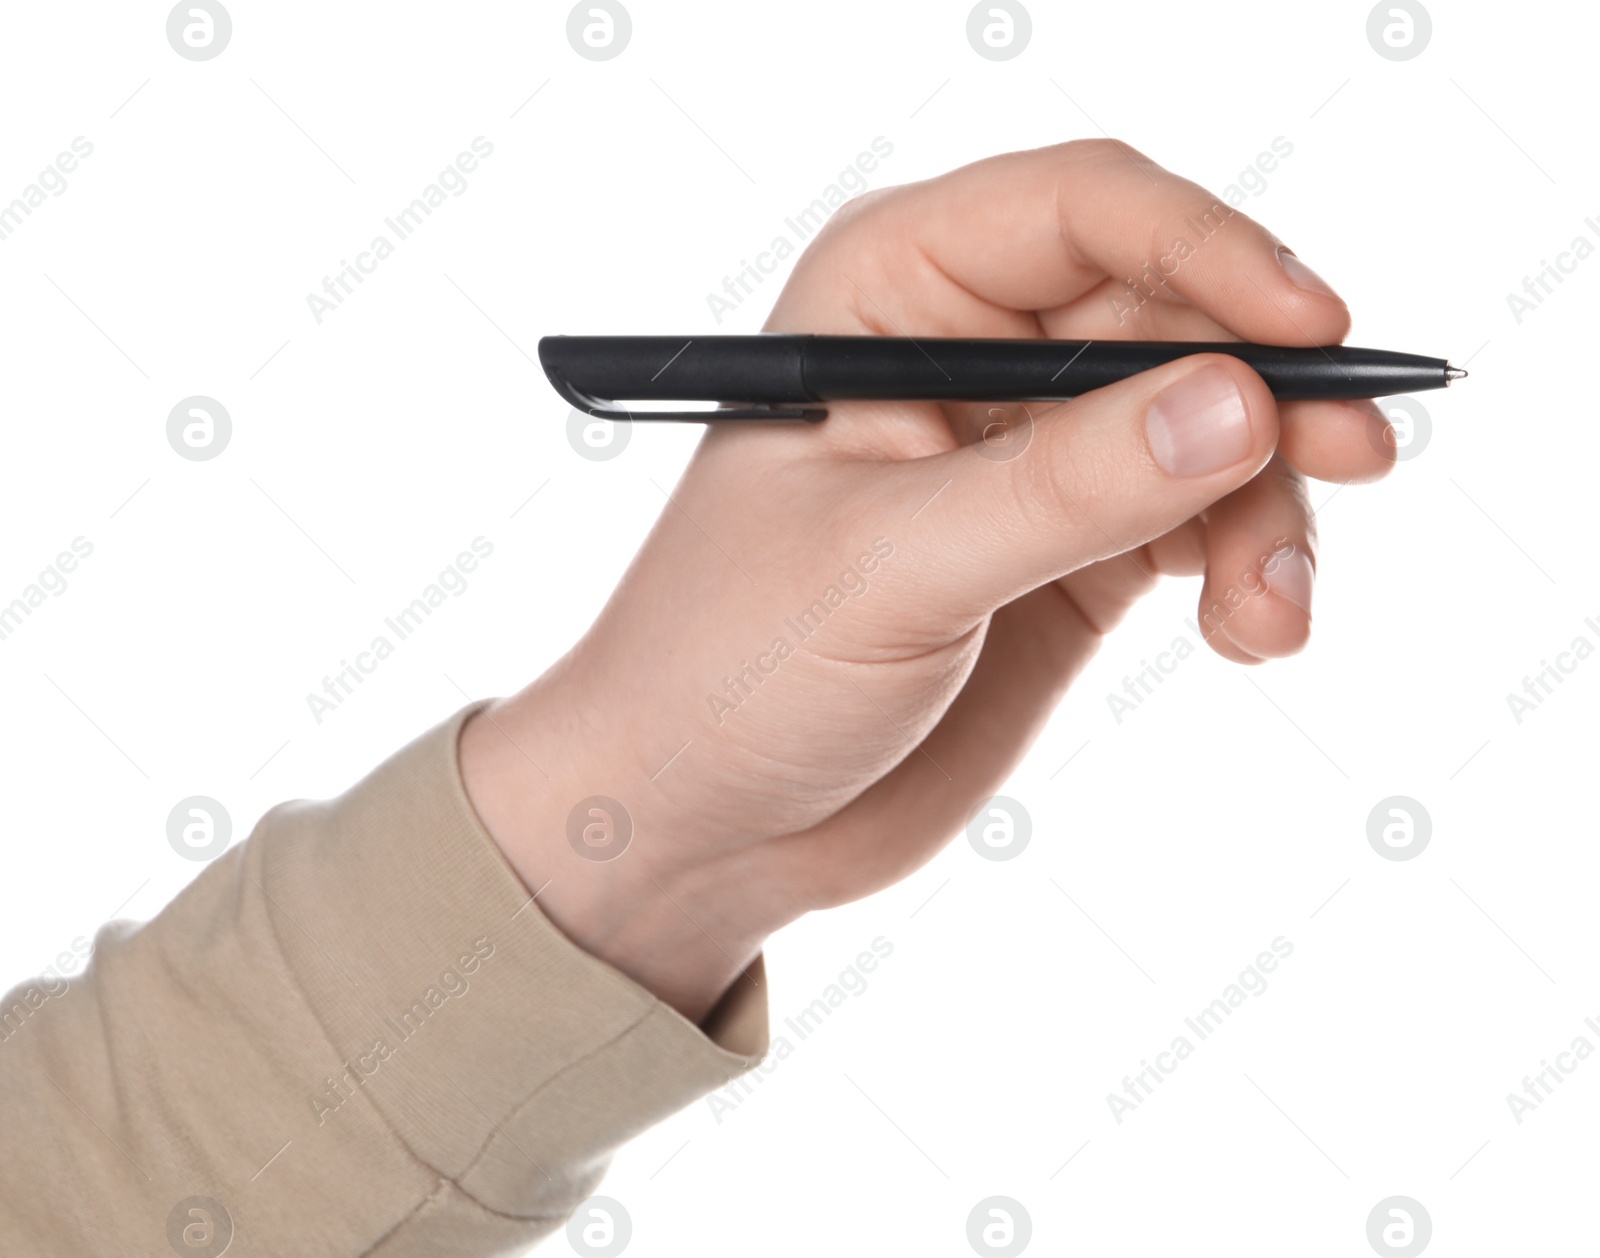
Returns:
(353, 1027)
(583, 828)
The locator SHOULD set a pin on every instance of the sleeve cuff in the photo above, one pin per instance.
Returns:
(503, 1055)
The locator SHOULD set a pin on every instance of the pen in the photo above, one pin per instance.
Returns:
(771, 376)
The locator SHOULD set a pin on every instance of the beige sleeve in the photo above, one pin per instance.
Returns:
(355, 1034)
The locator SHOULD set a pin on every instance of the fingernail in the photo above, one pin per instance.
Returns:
(1292, 578)
(1302, 276)
(1199, 425)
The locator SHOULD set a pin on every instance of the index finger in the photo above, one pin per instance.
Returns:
(975, 252)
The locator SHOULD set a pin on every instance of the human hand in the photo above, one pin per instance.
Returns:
(839, 639)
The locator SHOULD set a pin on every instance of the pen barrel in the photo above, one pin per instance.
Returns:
(839, 368)
(775, 370)
(680, 368)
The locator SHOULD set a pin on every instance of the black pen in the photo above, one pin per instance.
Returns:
(772, 376)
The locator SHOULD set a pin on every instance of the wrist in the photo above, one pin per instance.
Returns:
(578, 830)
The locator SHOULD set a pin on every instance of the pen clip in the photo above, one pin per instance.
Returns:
(601, 408)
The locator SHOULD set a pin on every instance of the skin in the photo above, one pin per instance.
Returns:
(865, 750)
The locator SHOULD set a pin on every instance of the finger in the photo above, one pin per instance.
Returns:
(1100, 476)
(1106, 314)
(964, 253)
(1345, 441)
(1034, 649)
(1260, 568)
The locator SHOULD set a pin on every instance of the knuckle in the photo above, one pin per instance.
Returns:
(1102, 150)
(1298, 496)
(1069, 481)
(864, 204)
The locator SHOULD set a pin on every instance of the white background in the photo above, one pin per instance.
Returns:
(1226, 811)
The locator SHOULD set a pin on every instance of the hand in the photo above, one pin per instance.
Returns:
(840, 638)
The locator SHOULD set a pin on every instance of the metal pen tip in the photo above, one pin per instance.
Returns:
(1454, 373)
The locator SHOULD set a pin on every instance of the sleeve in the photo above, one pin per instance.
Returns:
(355, 1033)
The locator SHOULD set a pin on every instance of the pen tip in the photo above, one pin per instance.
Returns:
(1454, 373)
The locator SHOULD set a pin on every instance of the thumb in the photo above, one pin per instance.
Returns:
(1095, 477)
